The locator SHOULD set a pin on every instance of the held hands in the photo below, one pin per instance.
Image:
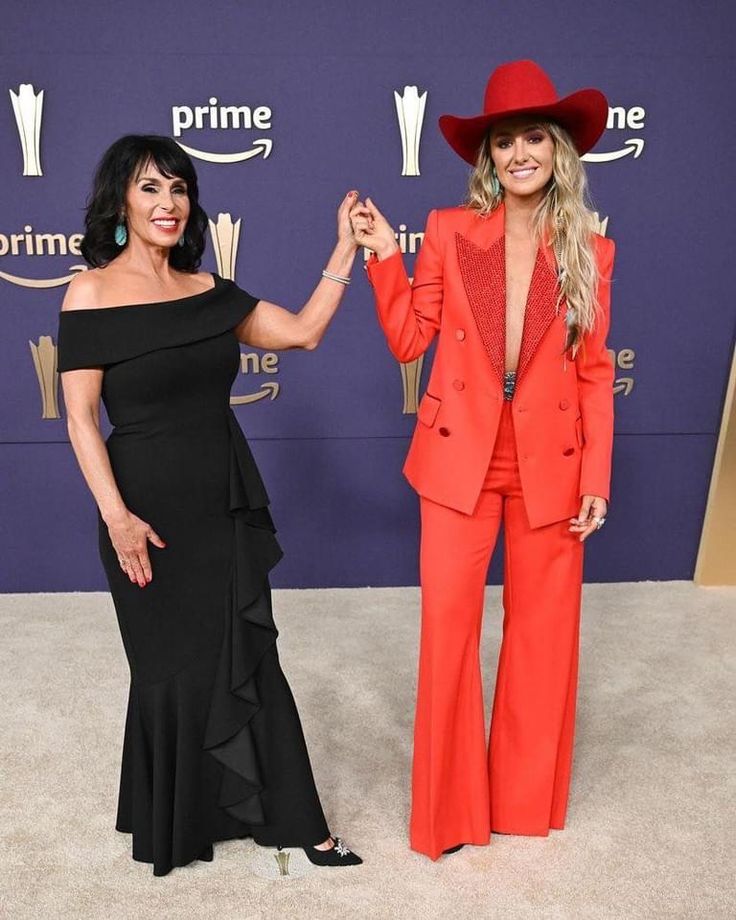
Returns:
(129, 536)
(372, 230)
(344, 228)
(590, 518)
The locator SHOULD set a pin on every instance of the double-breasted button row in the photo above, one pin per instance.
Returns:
(564, 404)
(458, 384)
(460, 335)
(444, 432)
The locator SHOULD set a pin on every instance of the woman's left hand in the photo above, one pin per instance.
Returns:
(592, 513)
(344, 227)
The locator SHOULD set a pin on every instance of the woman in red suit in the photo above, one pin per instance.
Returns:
(516, 426)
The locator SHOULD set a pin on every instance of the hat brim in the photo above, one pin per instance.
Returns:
(582, 114)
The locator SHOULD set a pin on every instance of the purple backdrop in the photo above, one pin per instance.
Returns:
(331, 444)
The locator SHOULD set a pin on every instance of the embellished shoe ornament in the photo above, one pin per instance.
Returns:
(338, 855)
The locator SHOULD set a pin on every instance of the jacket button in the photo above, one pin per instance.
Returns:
(458, 384)
(460, 335)
(568, 451)
(564, 404)
(444, 432)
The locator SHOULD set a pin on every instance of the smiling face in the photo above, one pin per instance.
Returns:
(523, 154)
(156, 207)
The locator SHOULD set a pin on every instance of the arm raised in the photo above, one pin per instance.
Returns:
(409, 314)
(275, 328)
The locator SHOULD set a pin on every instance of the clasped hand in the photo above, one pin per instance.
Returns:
(372, 230)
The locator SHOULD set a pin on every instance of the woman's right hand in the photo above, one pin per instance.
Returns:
(129, 536)
(372, 230)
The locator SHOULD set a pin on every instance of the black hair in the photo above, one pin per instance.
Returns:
(120, 164)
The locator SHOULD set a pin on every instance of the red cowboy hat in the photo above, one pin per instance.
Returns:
(523, 88)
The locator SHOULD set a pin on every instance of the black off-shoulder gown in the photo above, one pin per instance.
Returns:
(213, 745)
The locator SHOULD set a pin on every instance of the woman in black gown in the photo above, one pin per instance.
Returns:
(213, 745)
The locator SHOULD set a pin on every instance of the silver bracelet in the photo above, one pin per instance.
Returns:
(332, 277)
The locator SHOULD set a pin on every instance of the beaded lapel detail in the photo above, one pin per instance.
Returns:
(484, 277)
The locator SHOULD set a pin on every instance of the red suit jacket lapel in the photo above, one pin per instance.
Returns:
(483, 272)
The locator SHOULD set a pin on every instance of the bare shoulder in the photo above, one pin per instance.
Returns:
(83, 291)
(112, 286)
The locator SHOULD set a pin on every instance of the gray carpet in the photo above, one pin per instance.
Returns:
(651, 822)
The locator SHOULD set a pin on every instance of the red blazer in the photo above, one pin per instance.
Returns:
(563, 408)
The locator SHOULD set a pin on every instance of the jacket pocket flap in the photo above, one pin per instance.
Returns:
(428, 409)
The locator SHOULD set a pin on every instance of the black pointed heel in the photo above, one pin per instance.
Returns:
(338, 855)
(453, 849)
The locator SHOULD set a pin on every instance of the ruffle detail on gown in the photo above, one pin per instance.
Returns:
(248, 635)
(160, 779)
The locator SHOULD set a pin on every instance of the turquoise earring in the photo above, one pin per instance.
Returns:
(181, 241)
(495, 184)
(121, 234)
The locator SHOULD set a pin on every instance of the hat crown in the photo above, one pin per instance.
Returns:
(523, 88)
(518, 85)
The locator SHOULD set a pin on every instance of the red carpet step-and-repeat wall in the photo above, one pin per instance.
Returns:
(284, 107)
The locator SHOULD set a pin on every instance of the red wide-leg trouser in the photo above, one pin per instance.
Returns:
(462, 791)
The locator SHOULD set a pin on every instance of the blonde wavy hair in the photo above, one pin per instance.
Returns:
(564, 217)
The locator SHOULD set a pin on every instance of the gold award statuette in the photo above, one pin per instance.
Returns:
(28, 109)
(410, 112)
(600, 225)
(44, 360)
(225, 238)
